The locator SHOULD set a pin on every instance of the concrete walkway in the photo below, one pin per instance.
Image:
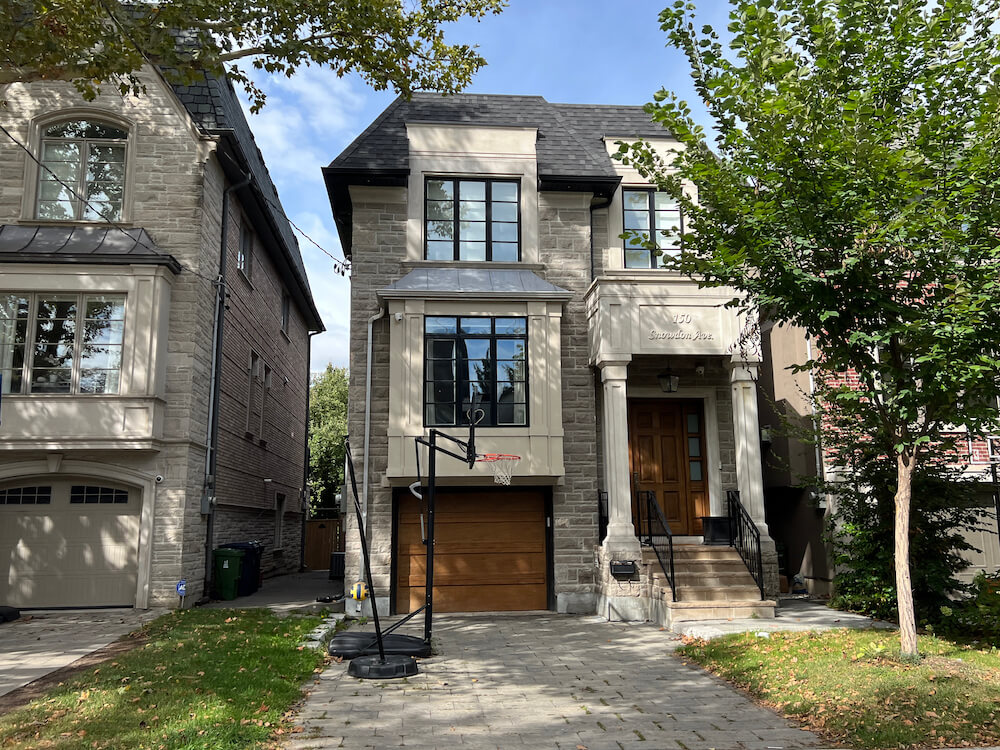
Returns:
(44, 641)
(542, 681)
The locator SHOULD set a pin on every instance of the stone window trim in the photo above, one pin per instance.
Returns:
(472, 218)
(33, 170)
(502, 342)
(659, 212)
(62, 343)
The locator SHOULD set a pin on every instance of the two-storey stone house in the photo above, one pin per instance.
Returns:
(485, 236)
(154, 344)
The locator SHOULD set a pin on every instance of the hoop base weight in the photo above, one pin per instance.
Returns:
(373, 668)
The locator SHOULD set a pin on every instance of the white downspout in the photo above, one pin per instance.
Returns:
(368, 415)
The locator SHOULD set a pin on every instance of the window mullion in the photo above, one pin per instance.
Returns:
(489, 219)
(456, 219)
(29, 344)
(74, 377)
(651, 207)
(81, 181)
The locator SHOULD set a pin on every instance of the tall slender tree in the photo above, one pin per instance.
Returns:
(853, 189)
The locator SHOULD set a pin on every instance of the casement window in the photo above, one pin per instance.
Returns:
(470, 219)
(286, 312)
(82, 172)
(244, 254)
(466, 356)
(258, 392)
(651, 216)
(61, 343)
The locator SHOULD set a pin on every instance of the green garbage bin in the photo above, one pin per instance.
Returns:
(228, 564)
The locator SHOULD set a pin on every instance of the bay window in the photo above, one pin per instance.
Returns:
(466, 357)
(61, 343)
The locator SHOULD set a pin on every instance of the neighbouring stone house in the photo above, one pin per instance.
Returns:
(484, 234)
(155, 322)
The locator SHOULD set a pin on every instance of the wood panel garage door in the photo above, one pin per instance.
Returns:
(489, 552)
(68, 544)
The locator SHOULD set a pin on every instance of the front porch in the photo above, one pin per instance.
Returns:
(680, 456)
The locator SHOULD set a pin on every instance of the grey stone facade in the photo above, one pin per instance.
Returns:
(174, 189)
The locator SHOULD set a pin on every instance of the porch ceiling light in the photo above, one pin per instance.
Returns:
(668, 381)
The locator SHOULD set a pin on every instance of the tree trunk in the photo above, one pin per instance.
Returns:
(904, 588)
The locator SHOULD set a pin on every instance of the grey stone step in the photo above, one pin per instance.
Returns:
(688, 611)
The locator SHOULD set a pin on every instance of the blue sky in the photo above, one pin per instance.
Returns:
(582, 51)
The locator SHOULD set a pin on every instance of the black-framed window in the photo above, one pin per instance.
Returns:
(465, 356)
(85, 494)
(472, 219)
(244, 253)
(648, 212)
(26, 496)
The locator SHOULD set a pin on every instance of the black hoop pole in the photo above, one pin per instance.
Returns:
(364, 550)
(429, 572)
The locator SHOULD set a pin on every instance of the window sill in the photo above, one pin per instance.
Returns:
(240, 272)
(29, 222)
(285, 336)
(410, 264)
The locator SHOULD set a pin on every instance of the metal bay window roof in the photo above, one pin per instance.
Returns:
(460, 283)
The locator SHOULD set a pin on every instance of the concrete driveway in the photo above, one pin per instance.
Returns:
(42, 642)
(542, 681)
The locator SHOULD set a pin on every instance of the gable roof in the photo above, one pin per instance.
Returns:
(215, 108)
(570, 150)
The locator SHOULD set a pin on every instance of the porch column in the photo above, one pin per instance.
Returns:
(621, 539)
(749, 478)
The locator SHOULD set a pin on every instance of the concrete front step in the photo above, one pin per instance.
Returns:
(717, 593)
(692, 611)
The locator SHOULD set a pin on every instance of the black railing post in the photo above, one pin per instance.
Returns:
(744, 536)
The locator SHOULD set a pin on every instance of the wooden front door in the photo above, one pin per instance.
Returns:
(667, 457)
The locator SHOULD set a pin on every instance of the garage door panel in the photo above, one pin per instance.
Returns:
(65, 554)
(488, 569)
(489, 552)
(503, 598)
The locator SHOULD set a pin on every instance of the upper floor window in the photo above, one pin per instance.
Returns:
(82, 176)
(648, 212)
(469, 356)
(61, 343)
(286, 312)
(472, 219)
(244, 253)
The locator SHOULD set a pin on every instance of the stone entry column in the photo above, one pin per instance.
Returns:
(749, 478)
(621, 540)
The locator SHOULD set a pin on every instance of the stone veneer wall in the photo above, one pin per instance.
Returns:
(379, 237)
(564, 248)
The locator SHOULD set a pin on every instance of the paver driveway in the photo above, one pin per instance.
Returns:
(542, 681)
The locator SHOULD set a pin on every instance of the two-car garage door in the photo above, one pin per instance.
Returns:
(489, 555)
(68, 544)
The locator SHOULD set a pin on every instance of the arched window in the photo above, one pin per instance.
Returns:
(82, 175)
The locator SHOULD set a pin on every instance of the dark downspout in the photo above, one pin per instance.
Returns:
(593, 250)
(208, 497)
(305, 461)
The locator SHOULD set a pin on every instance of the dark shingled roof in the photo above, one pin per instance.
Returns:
(215, 108)
(97, 244)
(569, 135)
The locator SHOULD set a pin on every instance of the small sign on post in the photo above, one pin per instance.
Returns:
(182, 590)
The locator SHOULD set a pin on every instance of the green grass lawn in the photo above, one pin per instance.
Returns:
(203, 679)
(850, 686)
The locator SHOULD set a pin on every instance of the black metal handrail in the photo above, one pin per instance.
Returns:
(658, 535)
(602, 515)
(744, 536)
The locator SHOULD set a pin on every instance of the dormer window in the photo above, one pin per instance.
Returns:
(472, 219)
(646, 212)
(82, 172)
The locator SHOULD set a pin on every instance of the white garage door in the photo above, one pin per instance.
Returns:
(68, 544)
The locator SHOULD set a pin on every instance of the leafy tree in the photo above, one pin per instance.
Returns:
(327, 428)
(93, 43)
(853, 189)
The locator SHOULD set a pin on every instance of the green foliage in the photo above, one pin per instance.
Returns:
(944, 504)
(204, 679)
(387, 42)
(327, 430)
(976, 618)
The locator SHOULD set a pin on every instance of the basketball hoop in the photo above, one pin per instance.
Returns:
(501, 464)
